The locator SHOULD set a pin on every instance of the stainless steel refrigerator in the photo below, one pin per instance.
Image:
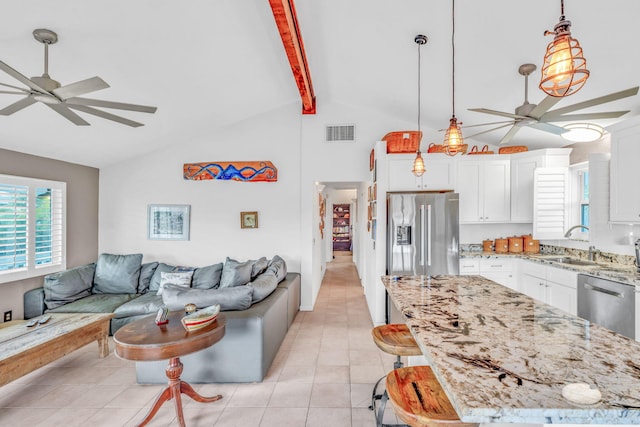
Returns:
(422, 236)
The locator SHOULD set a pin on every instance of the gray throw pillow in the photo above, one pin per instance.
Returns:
(146, 273)
(117, 274)
(181, 278)
(259, 266)
(207, 277)
(68, 286)
(263, 286)
(154, 283)
(279, 267)
(237, 298)
(235, 273)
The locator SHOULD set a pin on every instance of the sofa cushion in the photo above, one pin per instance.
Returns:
(68, 286)
(97, 303)
(279, 267)
(259, 266)
(154, 283)
(235, 273)
(146, 273)
(181, 278)
(117, 274)
(207, 277)
(234, 298)
(148, 303)
(263, 285)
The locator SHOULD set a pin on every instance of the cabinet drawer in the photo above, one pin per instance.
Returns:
(533, 269)
(496, 264)
(469, 266)
(562, 276)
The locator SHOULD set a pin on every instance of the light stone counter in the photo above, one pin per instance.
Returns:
(504, 357)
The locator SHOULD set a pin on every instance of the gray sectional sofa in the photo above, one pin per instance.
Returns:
(259, 299)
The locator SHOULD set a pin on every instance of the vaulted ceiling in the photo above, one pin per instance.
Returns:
(209, 64)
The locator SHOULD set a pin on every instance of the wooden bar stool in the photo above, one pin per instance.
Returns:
(393, 339)
(419, 400)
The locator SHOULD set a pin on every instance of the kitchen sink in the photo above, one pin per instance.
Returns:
(571, 261)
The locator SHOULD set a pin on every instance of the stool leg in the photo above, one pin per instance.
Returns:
(380, 414)
(374, 395)
(398, 363)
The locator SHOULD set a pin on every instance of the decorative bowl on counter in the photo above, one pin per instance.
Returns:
(201, 318)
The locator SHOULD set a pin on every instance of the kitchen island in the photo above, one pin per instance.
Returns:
(502, 356)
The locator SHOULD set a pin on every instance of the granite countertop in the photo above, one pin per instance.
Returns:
(504, 357)
(606, 270)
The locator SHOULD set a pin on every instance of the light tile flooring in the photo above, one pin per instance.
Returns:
(322, 376)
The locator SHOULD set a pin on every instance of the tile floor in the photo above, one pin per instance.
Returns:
(322, 376)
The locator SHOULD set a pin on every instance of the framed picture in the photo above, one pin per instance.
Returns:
(168, 222)
(248, 219)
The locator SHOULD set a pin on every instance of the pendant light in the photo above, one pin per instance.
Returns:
(453, 137)
(418, 163)
(564, 71)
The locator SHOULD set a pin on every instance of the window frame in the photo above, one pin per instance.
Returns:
(579, 179)
(32, 269)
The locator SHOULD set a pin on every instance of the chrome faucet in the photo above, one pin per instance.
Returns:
(568, 233)
(592, 253)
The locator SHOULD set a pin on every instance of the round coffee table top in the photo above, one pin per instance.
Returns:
(144, 340)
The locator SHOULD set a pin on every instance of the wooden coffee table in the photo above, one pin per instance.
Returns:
(143, 340)
(23, 349)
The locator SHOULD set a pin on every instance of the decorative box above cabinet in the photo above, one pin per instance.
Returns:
(439, 173)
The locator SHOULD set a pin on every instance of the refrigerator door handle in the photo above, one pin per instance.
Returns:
(428, 230)
(422, 220)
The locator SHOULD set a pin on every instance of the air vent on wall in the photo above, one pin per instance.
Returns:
(340, 133)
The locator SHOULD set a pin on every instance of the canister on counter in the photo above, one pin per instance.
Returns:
(501, 246)
(487, 246)
(532, 247)
(526, 238)
(515, 244)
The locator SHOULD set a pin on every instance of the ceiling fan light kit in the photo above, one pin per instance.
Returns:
(453, 139)
(564, 71)
(583, 132)
(62, 99)
(418, 163)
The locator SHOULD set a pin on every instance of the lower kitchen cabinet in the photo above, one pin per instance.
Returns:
(499, 269)
(551, 285)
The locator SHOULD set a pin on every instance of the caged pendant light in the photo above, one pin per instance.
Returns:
(453, 139)
(418, 163)
(564, 71)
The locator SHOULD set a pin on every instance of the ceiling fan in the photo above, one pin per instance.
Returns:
(539, 117)
(62, 99)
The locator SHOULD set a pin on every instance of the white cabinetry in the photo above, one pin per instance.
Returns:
(484, 187)
(499, 269)
(439, 173)
(469, 266)
(551, 285)
(624, 202)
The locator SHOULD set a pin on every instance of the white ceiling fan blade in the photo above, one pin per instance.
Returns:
(584, 116)
(80, 88)
(544, 106)
(23, 90)
(489, 130)
(105, 115)
(110, 104)
(548, 127)
(507, 137)
(23, 79)
(17, 106)
(497, 113)
(68, 114)
(595, 101)
(9, 92)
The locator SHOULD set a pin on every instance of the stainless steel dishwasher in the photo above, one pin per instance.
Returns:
(607, 303)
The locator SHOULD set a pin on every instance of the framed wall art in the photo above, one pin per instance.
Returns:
(168, 222)
(248, 219)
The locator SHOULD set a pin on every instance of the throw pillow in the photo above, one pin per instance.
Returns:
(278, 267)
(259, 266)
(68, 286)
(263, 286)
(154, 284)
(146, 273)
(207, 277)
(238, 298)
(117, 274)
(235, 273)
(182, 279)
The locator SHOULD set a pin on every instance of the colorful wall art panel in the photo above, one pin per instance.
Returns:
(259, 171)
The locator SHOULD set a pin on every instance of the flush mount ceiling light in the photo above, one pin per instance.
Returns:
(453, 137)
(418, 163)
(582, 132)
(564, 70)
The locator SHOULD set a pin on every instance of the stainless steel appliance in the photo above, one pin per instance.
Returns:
(607, 303)
(422, 236)
(637, 244)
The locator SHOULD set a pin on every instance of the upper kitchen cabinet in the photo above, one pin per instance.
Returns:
(484, 185)
(523, 166)
(439, 173)
(624, 202)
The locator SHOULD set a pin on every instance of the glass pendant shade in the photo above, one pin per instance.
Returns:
(418, 165)
(453, 139)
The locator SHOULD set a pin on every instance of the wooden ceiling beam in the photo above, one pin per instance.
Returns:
(284, 13)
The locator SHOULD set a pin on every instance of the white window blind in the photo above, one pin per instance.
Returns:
(550, 203)
(32, 227)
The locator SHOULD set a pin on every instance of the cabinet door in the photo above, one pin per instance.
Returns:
(468, 186)
(533, 287)
(496, 185)
(439, 174)
(469, 266)
(400, 176)
(625, 193)
(522, 188)
(504, 278)
(563, 297)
